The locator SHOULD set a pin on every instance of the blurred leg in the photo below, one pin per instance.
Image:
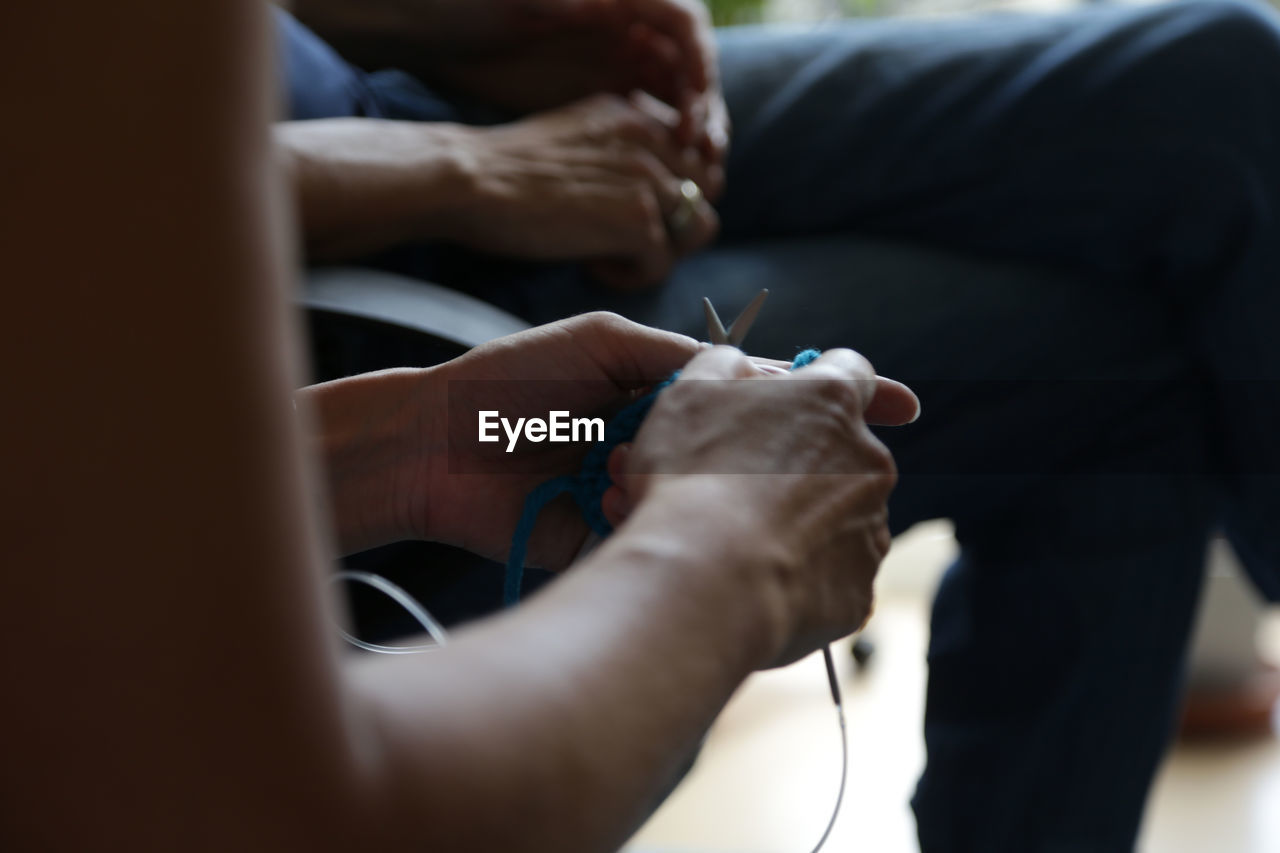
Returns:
(1137, 146)
(1056, 657)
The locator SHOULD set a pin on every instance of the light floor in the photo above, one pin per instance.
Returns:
(767, 778)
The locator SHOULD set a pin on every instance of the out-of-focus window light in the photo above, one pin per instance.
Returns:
(751, 11)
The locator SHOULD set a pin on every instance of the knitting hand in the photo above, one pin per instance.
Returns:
(532, 55)
(802, 483)
(470, 493)
(593, 181)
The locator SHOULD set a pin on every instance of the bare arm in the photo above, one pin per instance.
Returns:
(361, 185)
(164, 614)
(592, 181)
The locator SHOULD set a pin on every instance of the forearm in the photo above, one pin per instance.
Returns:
(570, 716)
(361, 185)
(363, 434)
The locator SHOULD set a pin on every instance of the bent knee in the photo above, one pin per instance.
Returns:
(1240, 36)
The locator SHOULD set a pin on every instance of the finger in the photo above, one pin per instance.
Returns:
(635, 217)
(654, 261)
(713, 146)
(604, 214)
(628, 354)
(693, 116)
(660, 51)
(687, 25)
(844, 364)
(894, 404)
(716, 138)
(616, 465)
(616, 502)
(688, 231)
(720, 362)
(771, 365)
(661, 112)
(702, 138)
(694, 230)
(660, 137)
(615, 506)
(655, 66)
(661, 73)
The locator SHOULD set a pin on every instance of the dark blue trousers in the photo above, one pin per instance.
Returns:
(1095, 349)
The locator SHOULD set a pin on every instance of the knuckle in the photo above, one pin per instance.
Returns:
(881, 467)
(603, 322)
(857, 364)
(607, 102)
(629, 117)
(642, 129)
(882, 539)
(643, 206)
(838, 394)
(640, 164)
(633, 163)
(630, 126)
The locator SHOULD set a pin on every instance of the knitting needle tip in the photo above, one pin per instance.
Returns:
(715, 329)
(739, 328)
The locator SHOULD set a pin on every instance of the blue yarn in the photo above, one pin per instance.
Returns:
(590, 483)
(805, 357)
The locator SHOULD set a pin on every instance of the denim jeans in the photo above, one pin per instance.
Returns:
(1064, 232)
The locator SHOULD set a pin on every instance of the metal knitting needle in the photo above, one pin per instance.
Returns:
(733, 337)
(737, 331)
(715, 329)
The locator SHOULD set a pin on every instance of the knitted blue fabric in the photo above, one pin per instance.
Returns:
(590, 483)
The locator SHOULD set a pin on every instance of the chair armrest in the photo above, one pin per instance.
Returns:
(406, 303)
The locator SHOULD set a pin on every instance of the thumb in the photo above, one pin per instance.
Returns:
(893, 405)
(628, 353)
(885, 402)
(847, 366)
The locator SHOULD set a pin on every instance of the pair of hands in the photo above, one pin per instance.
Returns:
(596, 181)
(624, 102)
(533, 55)
(785, 459)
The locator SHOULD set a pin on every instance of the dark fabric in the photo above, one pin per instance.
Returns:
(318, 83)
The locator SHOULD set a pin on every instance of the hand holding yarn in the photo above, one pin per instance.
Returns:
(791, 460)
(471, 494)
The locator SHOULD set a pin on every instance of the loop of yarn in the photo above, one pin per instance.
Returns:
(590, 483)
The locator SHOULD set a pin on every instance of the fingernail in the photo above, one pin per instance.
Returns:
(916, 416)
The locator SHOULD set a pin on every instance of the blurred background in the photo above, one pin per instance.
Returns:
(767, 778)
